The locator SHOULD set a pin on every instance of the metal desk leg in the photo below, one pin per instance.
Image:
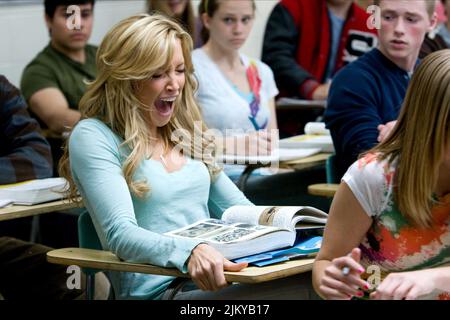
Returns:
(244, 177)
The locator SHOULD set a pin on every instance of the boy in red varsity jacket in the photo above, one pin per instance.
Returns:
(307, 41)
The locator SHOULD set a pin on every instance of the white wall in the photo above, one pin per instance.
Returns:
(24, 34)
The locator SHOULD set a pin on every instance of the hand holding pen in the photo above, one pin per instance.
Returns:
(342, 278)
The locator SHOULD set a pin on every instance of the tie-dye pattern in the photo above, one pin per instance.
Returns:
(255, 86)
(395, 245)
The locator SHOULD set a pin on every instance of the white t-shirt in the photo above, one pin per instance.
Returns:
(393, 243)
(371, 182)
(222, 107)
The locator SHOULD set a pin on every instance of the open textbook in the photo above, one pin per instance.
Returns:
(33, 191)
(316, 136)
(248, 230)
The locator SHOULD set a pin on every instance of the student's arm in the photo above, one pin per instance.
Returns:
(352, 114)
(385, 129)
(97, 170)
(273, 125)
(42, 91)
(412, 285)
(51, 107)
(223, 194)
(206, 264)
(346, 226)
(252, 144)
(271, 90)
(279, 51)
(27, 154)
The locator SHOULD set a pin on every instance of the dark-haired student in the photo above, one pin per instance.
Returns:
(25, 155)
(55, 80)
(366, 96)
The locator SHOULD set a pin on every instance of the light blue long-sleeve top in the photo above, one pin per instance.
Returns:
(131, 227)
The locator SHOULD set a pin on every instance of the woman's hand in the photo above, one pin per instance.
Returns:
(321, 92)
(406, 285)
(385, 129)
(336, 284)
(206, 266)
(253, 144)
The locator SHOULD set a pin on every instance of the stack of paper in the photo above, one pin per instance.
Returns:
(282, 154)
(316, 136)
(33, 191)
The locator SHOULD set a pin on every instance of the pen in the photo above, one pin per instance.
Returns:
(345, 271)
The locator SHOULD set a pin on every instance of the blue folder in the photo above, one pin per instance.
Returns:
(303, 248)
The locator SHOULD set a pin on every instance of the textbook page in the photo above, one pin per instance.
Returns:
(282, 217)
(220, 231)
(235, 240)
(323, 142)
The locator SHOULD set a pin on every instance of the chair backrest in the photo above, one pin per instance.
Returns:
(331, 170)
(87, 236)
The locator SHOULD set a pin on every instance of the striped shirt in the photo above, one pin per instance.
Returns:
(24, 152)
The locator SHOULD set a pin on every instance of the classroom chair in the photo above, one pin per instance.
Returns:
(332, 176)
(92, 259)
(327, 189)
(88, 238)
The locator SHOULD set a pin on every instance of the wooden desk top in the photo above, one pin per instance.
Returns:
(299, 104)
(323, 189)
(315, 160)
(105, 260)
(14, 212)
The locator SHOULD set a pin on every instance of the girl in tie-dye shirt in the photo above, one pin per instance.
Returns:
(388, 232)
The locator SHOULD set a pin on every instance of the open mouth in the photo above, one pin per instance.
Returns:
(165, 105)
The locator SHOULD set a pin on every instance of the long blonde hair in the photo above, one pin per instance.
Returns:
(419, 139)
(131, 52)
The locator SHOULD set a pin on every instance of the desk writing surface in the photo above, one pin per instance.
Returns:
(106, 260)
(319, 159)
(299, 104)
(323, 189)
(315, 160)
(14, 211)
